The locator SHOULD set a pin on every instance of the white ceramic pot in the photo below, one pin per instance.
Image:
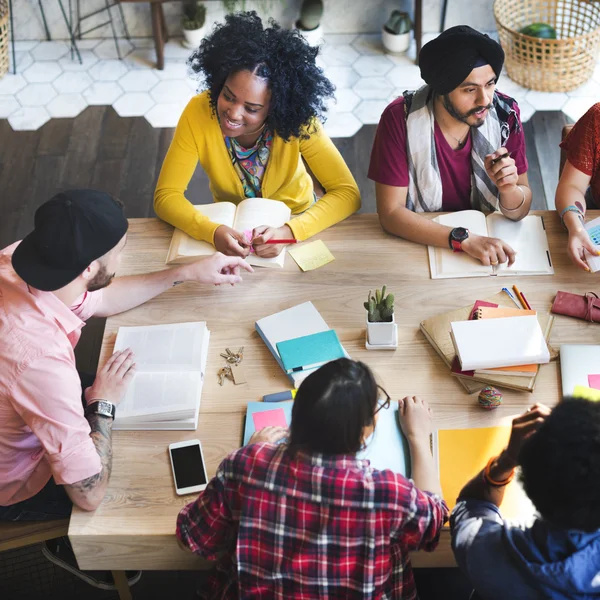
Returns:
(193, 37)
(381, 334)
(313, 36)
(395, 44)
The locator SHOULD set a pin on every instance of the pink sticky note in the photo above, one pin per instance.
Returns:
(269, 418)
(594, 381)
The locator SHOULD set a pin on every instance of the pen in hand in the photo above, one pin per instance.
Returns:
(499, 158)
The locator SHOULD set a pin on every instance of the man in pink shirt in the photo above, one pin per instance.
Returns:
(454, 144)
(54, 451)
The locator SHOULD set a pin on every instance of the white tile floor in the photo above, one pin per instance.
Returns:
(50, 84)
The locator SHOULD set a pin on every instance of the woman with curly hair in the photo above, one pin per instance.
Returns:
(253, 129)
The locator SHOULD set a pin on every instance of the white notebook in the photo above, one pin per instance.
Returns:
(577, 363)
(527, 237)
(303, 319)
(593, 229)
(506, 342)
(170, 364)
(248, 214)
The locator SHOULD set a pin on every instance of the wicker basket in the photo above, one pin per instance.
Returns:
(4, 42)
(550, 65)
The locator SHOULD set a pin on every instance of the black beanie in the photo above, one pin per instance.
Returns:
(446, 61)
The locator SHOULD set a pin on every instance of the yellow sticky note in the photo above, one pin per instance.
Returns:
(311, 256)
(581, 391)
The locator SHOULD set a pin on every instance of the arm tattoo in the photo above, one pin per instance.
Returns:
(102, 437)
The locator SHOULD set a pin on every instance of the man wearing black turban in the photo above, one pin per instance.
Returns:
(454, 144)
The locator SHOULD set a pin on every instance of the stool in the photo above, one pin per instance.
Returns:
(25, 533)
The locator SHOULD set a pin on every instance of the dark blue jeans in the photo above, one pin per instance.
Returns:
(50, 503)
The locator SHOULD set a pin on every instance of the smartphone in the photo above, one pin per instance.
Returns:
(189, 470)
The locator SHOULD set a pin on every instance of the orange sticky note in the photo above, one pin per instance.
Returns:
(594, 381)
(269, 418)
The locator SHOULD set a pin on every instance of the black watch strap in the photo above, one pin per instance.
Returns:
(100, 407)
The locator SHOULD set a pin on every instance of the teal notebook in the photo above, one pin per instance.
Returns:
(310, 351)
(387, 448)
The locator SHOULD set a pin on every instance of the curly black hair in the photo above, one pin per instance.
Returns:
(299, 89)
(561, 466)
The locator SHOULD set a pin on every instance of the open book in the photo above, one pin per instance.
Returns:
(248, 214)
(165, 391)
(526, 237)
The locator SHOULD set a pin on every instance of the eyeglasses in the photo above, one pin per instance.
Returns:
(382, 402)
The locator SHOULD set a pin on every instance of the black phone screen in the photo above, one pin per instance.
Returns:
(188, 467)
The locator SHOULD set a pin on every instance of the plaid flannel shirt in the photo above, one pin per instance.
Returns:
(312, 526)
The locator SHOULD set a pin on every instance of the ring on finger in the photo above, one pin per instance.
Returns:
(494, 263)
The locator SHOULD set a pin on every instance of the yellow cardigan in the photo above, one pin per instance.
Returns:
(198, 137)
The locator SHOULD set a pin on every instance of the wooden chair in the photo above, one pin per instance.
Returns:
(563, 155)
(25, 533)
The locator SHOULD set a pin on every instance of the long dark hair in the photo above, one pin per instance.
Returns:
(332, 407)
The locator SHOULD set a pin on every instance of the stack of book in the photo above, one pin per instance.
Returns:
(508, 362)
(166, 388)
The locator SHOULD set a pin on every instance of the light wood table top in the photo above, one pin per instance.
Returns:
(134, 526)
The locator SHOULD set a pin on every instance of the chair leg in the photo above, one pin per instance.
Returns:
(163, 23)
(418, 27)
(443, 20)
(123, 21)
(121, 584)
(69, 23)
(112, 26)
(44, 20)
(158, 39)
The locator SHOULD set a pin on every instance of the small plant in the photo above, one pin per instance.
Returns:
(194, 15)
(398, 23)
(310, 14)
(380, 307)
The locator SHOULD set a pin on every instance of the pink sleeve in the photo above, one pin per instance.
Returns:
(516, 142)
(86, 306)
(47, 396)
(389, 162)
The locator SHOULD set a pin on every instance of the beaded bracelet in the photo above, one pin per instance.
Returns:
(518, 207)
(570, 208)
(493, 482)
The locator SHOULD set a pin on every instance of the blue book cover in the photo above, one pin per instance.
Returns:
(387, 448)
(310, 351)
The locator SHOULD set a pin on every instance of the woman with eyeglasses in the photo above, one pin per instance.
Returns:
(256, 130)
(306, 518)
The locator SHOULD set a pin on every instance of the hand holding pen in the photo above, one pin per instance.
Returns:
(502, 169)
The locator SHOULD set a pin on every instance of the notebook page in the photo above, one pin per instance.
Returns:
(528, 238)
(449, 263)
(173, 347)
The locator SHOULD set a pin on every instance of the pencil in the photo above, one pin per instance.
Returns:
(526, 301)
(292, 241)
(520, 297)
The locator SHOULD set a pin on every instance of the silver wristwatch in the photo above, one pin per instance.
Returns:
(103, 408)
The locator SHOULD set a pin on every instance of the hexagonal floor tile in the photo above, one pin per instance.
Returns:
(406, 76)
(28, 118)
(8, 105)
(345, 101)
(36, 94)
(590, 89)
(369, 111)
(372, 66)
(511, 88)
(23, 59)
(373, 88)
(141, 58)
(171, 92)
(138, 80)
(102, 93)
(173, 70)
(164, 115)
(546, 100)
(575, 108)
(342, 77)
(66, 106)
(107, 49)
(88, 59)
(368, 44)
(337, 39)
(42, 72)
(596, 75)
(11, 84)
(142, 42)
(133, 104)
(342, 125)
(527, 111)
(25, 45)
(339, 56)
(72, 83)
(88, 44)
(50, 50)
(108, 70)
(175, 50)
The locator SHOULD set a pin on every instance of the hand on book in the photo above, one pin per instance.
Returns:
(501, 169)
(113, 378)
(579, 242)
(415, 415)
(523, 427)
(260, 235)
(488, 250)
(231, 242)
(268, 434)
(217, 269)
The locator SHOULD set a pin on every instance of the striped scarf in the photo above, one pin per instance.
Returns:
(425, 183)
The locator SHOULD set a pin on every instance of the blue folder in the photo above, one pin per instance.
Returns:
(310, 351)
(387, 448)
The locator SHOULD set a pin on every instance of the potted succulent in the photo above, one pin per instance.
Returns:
(193, 23)
(309, 23)
(395, 34)
(381, 324)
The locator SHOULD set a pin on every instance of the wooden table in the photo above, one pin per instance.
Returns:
(134, 526)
